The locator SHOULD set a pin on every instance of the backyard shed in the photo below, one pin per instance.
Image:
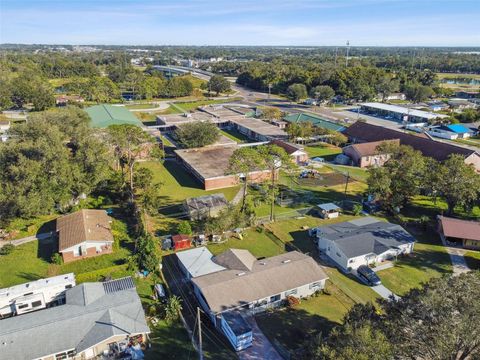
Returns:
(181, 241)
(328, 211)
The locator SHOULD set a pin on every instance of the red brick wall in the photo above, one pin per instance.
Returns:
(91, 252)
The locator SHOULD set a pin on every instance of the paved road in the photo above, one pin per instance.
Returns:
(261, 348)
(384, 292)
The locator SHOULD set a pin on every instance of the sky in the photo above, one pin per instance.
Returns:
(242, 22)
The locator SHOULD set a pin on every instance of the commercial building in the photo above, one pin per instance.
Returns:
(234, 285)
(361, 132)
(367, 154)
(102, 116)
(209, 165)
(97, 319)
(400, 113)
(257, 130)
(85, 233)
(363, 241)
(463, 232)
(34, 295)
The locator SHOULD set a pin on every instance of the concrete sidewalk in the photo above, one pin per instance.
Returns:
(261, 348)
(27, 239)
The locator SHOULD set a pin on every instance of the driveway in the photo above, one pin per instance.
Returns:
(384, 292)
(27, 239)
(261, 348)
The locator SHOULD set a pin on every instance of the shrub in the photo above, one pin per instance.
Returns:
(292, 301)
(7, 249)
(357, 209)
(57, 259)
(184, 228)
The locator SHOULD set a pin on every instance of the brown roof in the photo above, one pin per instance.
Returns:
(180, 237)
(363, 132)
(370, 148)
(81, 226)
(229, 288)
(460, 229)
(289, 148)
(236, 259)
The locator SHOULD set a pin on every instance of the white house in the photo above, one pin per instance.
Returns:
(34, 295)
(363, 241)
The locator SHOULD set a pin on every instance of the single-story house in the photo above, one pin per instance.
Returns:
(84, 233)
(313, 119)
(467, 94)
(181, 241)
(462, 131)
(35, 295)
(209, 165)
(361, 132)
(297, 153)
(460, 104)
(328, 210)
(465, 232)
(95, 319)
(441, 132)
(363, 241)
(367, 154)
(236, 281)
(102, 116)
(437, 106)
(205, 206)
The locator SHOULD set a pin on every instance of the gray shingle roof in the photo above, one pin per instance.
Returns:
(90, 315)
(370, 237)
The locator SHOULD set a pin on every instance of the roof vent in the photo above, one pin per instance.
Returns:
(263, 263)
(241, 274)
(286, 261)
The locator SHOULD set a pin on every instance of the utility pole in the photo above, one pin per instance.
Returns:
(269, 89)
(346, 184)
(199, 320)
(348, 48)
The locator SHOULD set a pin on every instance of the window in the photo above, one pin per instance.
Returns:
(315, 285)
(23, 306)
(275, 298)
(37, 303)
(291, 292)
(69, 286)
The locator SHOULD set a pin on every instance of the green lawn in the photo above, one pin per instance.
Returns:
(354, 172)
(429, 260)
(258, 243)
(31, 261)
(235, 135)
(170, 342)
(472, 258)
(323, 150)
(20, 228)
(290, 231)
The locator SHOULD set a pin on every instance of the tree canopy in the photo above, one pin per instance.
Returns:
(197, 134)
(439, 321)
(219, 84)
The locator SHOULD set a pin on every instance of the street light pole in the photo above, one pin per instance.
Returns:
(348, 48)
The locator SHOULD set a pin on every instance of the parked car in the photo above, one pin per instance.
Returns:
(368, 276)
(318, 159)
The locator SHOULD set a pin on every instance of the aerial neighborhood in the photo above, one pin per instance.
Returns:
(236, 202)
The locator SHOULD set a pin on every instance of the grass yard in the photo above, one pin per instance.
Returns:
(356, 173)
(31, 261)
(258, 243)
(20, 228)
(472, 258)
(170, 341)
(323, 150)
(235, 135)
(290, 231)
(428, 261)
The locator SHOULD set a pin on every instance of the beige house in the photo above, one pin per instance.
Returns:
(85, 233)
(367, 154)
(464, 232)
